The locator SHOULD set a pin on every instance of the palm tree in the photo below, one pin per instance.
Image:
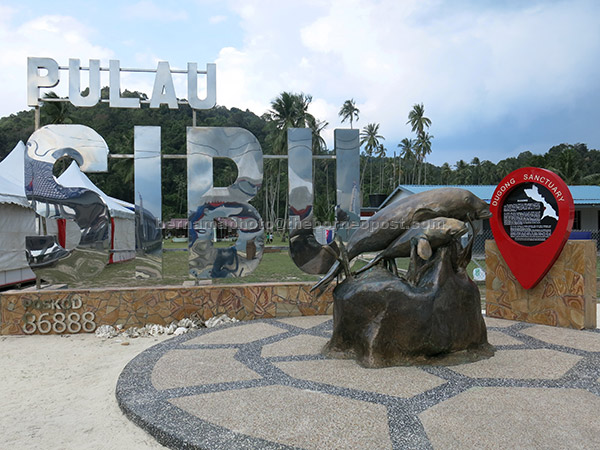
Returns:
(446, 173)
(423, 148)
(380, 153)
(290, 110)
(418, 123)
(319, 145)
(568, 167)
(463, 172)
(417, 119)
(476, 168)
(317, 126)
(407, 150)
(349, 111)
(488, 173)
(370, 139)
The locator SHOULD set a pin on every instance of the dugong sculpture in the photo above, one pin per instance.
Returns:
(427, 236)
(397, 218)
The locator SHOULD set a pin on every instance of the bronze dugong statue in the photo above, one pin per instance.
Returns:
(389, 223)
(427, 235)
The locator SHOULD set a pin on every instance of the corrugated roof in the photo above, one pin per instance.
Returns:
(582, 195)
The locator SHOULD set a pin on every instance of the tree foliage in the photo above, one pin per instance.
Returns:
(575, 163)
(422, 146)
(370, 138)
(349, 111)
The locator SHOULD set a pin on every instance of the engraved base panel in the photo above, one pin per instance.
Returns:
(73, 311)
(565, 297)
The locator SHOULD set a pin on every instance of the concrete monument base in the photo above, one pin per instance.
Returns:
(81, 310)
(565, 297)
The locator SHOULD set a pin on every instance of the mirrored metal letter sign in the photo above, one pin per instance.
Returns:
(162, 93)
(348, 179)
(50, 255)
(307, 253)
(214, 211)
(75, 96)
(73, 224)
(148, 202)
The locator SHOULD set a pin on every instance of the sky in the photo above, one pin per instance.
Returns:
(496, 77)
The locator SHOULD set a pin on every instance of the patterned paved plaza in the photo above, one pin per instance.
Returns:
(264, 384)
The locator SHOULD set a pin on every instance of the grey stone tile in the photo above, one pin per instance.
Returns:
(522, 401)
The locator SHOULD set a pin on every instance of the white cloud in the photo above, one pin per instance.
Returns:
(54, 36)
(6, 12)
(217, 19)
(471, 66)
(148, 10)
(474, 65)
(236, 80)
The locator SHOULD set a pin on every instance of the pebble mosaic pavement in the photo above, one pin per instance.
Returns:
(264, 384)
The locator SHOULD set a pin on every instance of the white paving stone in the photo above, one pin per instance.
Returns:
(515, 418)
(237, 335)
(295, 346)
(500, 338)
(395, 381)
(501, 323)
(580, 339)
(305, 321)
(521, 364)
(296, 417)
(182, 368)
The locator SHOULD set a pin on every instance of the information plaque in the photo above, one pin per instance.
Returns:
(530, 214)
(533, 215)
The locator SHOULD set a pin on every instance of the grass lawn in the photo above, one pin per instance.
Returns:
(274, 267)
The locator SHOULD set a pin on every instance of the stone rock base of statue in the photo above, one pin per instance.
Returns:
(382, 320)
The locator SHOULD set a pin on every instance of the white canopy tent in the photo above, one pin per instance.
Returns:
(17, 220)
(123, 219)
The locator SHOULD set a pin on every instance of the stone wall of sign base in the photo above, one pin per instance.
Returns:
(77, 310)
(565, 297)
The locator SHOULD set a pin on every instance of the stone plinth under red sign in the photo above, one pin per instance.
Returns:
(565, 297)
(78, 310)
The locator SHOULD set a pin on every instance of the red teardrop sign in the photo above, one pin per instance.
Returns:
(532, 219)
